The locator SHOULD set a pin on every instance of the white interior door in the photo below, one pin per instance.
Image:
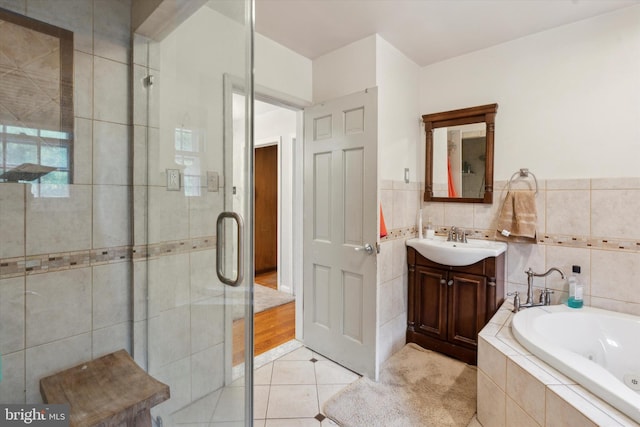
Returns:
(340, 230)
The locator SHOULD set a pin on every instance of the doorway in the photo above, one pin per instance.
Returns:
(275, 128)
(266, 213)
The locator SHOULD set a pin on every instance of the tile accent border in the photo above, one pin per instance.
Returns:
(546, 239)
(45, 263)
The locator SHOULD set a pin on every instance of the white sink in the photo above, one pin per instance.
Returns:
(456, 253)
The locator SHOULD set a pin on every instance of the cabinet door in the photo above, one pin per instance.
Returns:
(431, 298)
(466, 308)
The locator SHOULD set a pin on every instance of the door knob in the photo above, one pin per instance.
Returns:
(367, 248)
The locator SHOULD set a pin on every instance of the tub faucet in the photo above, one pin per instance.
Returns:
(545, 295)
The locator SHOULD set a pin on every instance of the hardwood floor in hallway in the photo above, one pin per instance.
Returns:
(272, 327)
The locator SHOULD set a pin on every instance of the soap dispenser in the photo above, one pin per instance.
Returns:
(431, 232)
(576, 289)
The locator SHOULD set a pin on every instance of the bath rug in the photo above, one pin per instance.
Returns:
(264, 298)
(417, 387)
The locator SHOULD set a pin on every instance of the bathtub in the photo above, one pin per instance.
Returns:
(598, 349)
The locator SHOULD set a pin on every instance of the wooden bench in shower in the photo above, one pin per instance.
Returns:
(109, 391)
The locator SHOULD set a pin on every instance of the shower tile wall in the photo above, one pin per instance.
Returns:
(586, 222)
(65, 272)
(184, 301)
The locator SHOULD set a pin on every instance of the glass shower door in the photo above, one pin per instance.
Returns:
(193, 209)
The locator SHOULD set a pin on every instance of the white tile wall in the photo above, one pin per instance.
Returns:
(58, 305)
(111, 338)
(207, 370)
(13, 385)
(110, 90)
(83, 85)
(111, 296)
(111, 153)
(47, 359)
(72, 315)
(112, 28)
(83, 151)
(76, 16)
(170, 220)
(169, 284)
(111, 216)
(587, 210)
(169, 338)
(12, 314)
(207, 316)
(12, 220)
(59, 224)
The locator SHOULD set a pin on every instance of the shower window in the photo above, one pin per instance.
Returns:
(36, 103)
(187, 154)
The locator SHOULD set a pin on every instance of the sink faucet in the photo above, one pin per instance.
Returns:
(545, 295)
(452, 236)
(456, 235)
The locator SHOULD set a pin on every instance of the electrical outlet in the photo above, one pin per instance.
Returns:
(173, 179)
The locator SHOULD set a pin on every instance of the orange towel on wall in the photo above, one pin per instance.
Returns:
(452, 188)
(383, 227)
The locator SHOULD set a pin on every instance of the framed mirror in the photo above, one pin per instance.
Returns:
(36, 104)
(459, 155)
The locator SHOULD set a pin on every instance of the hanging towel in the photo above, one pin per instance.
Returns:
(383, 227)
(452, 188)
(518, 215)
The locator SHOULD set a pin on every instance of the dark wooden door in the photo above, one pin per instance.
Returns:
(266, 208)
(466, 308)
(431, 302)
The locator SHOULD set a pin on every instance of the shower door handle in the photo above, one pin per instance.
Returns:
(219, 248)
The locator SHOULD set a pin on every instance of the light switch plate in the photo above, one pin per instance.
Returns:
(212, 181)
(173, 179)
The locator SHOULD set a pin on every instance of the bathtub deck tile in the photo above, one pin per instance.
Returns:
(560, 378)
(502, 346)
(489, 330)
(501, 316)
(603, 406)
(506, 336)
(593, 413)
(537, 371)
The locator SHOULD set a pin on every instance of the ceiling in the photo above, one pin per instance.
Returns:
(427, 31)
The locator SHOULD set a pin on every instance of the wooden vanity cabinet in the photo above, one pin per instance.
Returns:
(448, 306)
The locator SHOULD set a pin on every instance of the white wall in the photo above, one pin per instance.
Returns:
(347, 70)
(397, 78)
(569, 98)
(282, 70)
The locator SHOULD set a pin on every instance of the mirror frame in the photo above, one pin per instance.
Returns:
(480, 114)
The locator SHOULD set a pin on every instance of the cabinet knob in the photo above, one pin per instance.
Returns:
(450, 282)
(443, 282)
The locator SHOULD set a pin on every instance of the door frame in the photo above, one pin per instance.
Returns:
(281, 99)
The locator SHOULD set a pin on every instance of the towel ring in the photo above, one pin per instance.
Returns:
(523, 172)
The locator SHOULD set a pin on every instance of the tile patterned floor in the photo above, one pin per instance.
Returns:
(288, 392)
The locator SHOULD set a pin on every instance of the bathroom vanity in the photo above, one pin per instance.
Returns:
(449, 305)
